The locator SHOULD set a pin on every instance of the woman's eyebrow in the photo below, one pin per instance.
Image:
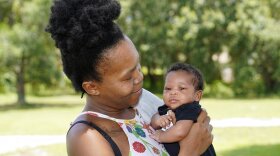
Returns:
(130, 70)
(133, 68)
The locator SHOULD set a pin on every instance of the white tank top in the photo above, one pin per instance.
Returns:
(138, 133)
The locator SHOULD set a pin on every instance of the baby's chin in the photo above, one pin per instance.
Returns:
(173, 106)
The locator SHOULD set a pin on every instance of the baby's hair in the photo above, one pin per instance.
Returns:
(197, 75)
(84, 30)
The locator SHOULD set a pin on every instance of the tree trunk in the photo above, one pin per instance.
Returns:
(152, 79)
(21, 84)
(270, 84)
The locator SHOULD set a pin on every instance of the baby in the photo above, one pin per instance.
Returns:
(182, 93)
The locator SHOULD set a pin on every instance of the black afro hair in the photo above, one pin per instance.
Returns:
(83, 30)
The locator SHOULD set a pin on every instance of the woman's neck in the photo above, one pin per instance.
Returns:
(126, 113)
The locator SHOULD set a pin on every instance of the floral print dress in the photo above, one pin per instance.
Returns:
(138, 133)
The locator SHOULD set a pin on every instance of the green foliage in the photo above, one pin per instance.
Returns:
(218, 90)
(255, 48)
(242, 36)
(200, 32)
(254, 85)
(27, 50)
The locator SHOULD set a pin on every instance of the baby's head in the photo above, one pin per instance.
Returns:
(183, 84)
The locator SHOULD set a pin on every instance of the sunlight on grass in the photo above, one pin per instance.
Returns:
(52, 116)
(7, 99)
(253, 150)
(247, 141)
(50, 150)
(229, 138)
(44, 115)
(62, 99)
(255, 108)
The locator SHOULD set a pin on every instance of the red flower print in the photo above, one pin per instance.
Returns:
(138, 147)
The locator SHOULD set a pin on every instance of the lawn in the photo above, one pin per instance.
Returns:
(41, 116)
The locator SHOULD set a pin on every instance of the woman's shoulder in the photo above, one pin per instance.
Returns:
(85, 139)
(87, 124)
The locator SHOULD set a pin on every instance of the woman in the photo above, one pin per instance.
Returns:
(103, 63)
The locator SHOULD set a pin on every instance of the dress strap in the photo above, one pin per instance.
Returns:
(114, 146)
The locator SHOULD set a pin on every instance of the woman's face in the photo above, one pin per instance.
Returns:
(121, 74)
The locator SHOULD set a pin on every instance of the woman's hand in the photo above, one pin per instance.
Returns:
(199, 137)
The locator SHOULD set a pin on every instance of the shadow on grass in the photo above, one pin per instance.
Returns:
(15, 106)
(255, 150)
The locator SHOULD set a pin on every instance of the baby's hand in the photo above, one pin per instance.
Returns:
(172, 115)
(156, 135)
(164, 121)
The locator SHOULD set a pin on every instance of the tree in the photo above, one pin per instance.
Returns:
(147, 23)
(254, 49)
(28, 52)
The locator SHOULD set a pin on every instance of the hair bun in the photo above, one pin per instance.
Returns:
(102, 12)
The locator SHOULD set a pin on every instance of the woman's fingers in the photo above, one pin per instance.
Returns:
(202, 116)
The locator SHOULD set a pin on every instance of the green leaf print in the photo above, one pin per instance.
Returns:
(135, 133)
(164, 153)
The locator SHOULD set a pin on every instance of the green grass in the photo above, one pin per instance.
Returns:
(255, 108)
(44, 115)
(50, 150)
(227, 142)
(247, 141)
(52, 115)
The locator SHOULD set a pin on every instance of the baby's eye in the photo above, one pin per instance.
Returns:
(166, 88)
(182, 88)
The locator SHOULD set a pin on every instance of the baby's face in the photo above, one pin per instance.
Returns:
(178, 89)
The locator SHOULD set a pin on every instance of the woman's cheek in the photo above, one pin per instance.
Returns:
(127, 87)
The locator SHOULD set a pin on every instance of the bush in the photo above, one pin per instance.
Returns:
(218, 90)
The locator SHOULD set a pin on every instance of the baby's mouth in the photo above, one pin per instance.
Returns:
(173, 100)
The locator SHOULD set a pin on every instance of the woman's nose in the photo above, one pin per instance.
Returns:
(139, 76)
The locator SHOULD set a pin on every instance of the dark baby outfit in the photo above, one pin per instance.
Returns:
(188, 111)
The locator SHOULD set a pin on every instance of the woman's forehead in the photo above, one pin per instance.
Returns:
(120, 58)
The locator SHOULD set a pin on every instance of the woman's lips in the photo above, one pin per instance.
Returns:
(138, 91)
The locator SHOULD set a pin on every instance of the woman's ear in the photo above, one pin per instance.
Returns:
(198, 95)
(90, 87)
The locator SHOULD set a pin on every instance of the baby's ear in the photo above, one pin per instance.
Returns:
(198, 95)
(90, 87)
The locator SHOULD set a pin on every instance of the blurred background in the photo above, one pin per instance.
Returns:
(235, 43)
